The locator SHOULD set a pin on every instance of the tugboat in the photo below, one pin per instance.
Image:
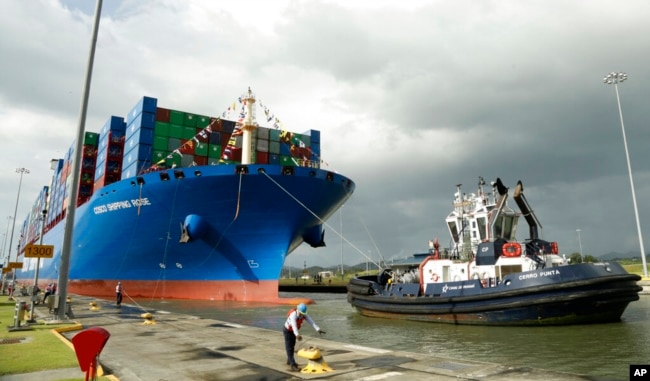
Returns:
(490, 278)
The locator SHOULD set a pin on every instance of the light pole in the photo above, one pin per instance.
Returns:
(38, 266)
(341, 230)
(5, 259)
(614, 78)
(22, 171)
(4, 241)
(580, 243)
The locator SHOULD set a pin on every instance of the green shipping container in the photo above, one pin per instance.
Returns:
(176, 117)
(188, 132)
(287, 160)
(174, 161)
(159, 155)
(301, 140)
(190, 120)
(160, 143)
(214, 151)
(91, 138)
(201, 149)
(202, 121)
(161, 129)
(176, 131)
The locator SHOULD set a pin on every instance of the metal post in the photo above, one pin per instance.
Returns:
(580, 243)
(22, 171)
(341, 230)
(38, 267)
(4, 242)
(76, 165)
(5, 259)
(614, 78)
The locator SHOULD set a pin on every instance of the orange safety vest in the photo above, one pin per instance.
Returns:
(299, 320)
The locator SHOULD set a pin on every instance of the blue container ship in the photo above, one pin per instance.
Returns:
(178, 205)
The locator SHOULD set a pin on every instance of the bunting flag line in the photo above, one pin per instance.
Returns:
(297, 146)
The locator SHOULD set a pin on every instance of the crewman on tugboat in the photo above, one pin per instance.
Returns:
(295, 318)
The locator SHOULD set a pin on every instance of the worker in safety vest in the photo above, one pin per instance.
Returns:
(295, 318)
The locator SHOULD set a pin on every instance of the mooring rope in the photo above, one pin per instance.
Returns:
(318, 217)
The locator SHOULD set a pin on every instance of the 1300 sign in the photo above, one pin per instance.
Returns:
(39, 251)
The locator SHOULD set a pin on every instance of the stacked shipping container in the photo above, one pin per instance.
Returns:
(110, 152)
(156, 138)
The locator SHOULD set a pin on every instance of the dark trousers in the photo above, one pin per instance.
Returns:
(118, 298)
(289, 345)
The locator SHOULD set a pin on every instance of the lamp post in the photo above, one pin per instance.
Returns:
(614, 78)
(580, 243)
(38, 266)
(5, 260)
(66, 248)
(341, 230)
(21, 171)
(4, 241)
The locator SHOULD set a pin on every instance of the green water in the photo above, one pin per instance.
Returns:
(603, 351)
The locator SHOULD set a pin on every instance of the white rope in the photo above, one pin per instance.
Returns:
(320, 219)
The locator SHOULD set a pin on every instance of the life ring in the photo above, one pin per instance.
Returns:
(511, 249)
(475, 276)
(434, 277)
(456, 278)
(554, 248)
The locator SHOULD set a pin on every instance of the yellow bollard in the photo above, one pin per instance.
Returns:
(315, 363)
(148, 318)
(94, 306)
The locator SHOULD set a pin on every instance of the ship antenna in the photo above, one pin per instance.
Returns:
(248, 127)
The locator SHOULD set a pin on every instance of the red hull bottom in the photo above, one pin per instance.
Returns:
(236, 291)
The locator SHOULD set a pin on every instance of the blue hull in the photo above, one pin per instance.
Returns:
(238, 229)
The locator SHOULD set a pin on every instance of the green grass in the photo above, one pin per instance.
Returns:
(634, 269)
(41, 349)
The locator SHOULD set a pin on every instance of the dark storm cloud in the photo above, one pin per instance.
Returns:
(411, 98)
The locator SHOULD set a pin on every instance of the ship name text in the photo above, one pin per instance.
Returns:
(540, 274)
(118, 205)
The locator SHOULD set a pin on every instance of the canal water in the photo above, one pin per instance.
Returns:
(603, 351)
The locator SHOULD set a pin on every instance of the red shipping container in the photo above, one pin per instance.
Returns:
(187, 147)
(200, 160)
(231, 153)
(215, 124)
(89, 151)
(262, 157)
(162, 114)
(202, 136)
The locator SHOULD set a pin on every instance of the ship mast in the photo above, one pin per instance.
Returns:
(248, 127)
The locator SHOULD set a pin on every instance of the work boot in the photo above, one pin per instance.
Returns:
(295, 368)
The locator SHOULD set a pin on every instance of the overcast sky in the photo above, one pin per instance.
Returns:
(411, 98)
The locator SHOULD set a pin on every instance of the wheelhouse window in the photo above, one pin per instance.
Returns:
(482, 227)
(453, 230)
